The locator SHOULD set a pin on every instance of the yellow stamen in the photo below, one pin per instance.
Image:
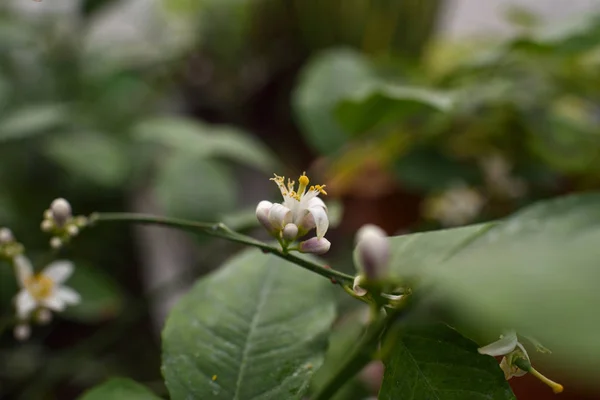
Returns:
(319, 188)
(39, 286)
(214, 378)
(302, 183)
(556, 387)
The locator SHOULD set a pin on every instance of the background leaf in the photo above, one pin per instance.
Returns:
(326, 80)
(119, 389)
(258, 325)
(536, 272)
(32, 120)
(378, 103)
(101, 297)
(190, 187)
(436, 362)
(206, 140)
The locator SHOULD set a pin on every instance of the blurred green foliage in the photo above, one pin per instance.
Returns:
(100, 123)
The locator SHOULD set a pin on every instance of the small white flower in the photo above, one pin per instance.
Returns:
(456, 206)
(43, 290)
(300, 212)
(498, 177)
(508, 346)
(306, 210)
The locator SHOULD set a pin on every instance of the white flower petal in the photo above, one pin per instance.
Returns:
(317, 202)
(68, 295)
(54, 302)
(279, 216)
(321, 220)
(58, 271)
(23, 268)
(505, 345)
(24, 303)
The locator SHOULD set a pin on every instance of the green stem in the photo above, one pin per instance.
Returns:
(362, 355)
(220, 230)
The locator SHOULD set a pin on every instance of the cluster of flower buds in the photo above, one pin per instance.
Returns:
(456, 206)
(515, 361)
(9, 247)
(300, 212)
(60, 222)
(41, 294)
(371, 257)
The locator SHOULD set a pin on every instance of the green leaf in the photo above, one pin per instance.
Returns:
(429, 170)
(378, 103)
(101, 297)
(203, 140)
(96, 157)
(436, 362)
(119, 389)
(190, 187)
(254, 329)
(326, 80)
(535, 272)
(32, 120)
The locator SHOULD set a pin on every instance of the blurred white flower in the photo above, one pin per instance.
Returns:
(43, 290)
(509, 347)
(372, 251)
(456, 206)
(498, 178)
(300, 212)
(515, 357)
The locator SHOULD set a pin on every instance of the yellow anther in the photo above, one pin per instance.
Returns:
(319, 188)
(556, 387)
(39, 286)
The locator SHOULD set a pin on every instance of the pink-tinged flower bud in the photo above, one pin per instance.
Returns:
(360, 291)
(22, 332)
(43, 316)
(6, 236)
(290, 232)
(372, 251)
(314, 245)
(262, 214)
(279, 216)
(61, 211)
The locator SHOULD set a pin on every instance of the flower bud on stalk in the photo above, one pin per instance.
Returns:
(315, 246)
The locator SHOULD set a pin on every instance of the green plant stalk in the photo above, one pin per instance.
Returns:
(363, 354)
(220, 230)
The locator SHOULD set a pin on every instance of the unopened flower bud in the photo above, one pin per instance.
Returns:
(44, 316)
(279, 216)
(262, 214)
(47, 225)
(6, 236)
(61, 211)
(22, 332)
(72, 230)
(372, 251)
(290, 232)
(315, 246)
(56, 243)
(356, 286)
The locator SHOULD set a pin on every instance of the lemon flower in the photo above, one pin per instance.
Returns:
(300, 212)
(43, 290)
(516, 362)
